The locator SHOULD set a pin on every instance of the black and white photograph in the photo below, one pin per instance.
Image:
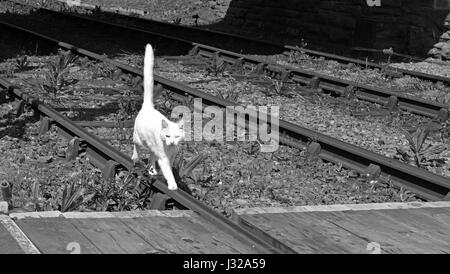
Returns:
(214, 135)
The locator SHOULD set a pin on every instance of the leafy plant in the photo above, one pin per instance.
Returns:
(182, 169)
(417, 145)
(71, 197)
(22, 63)
(102, 70)
(177, 21)
(128, 106)
(55, 78)
(36, 201)
(216, 65)
(298, 55)
(231, 96)
(389, 52)
(278, 86)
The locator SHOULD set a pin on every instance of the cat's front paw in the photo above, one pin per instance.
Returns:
(172, 186)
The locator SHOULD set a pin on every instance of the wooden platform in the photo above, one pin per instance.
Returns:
(122, 232)
(367, 228)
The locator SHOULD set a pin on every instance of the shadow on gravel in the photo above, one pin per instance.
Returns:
(14, 43)
(94, 37)
(15, 127)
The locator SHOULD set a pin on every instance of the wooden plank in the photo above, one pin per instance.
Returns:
(53, 235)
(207, 237)
(306, 234)
(137, 214)
(441, 215)
(8, 244)
(375, 227)
(342, 207)
(83, 215)
(36, 214)
(110, 235)
(180, 235)
(20, 239)
(423, 225)
(330, 233)
(159, 232)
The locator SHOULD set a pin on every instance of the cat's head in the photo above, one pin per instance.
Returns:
(172, 133)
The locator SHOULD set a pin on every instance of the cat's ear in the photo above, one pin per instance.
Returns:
(164, 124)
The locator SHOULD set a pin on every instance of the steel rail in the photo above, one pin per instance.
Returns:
(109, 153)
(372, 65)
(271, 45)
(425, 184)
(327, 83)
(368, 93)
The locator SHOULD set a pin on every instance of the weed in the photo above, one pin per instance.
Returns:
(420, 150)
(216, 65)
(298, 55)
(22, 63)
(231, 96)
(278, 86)
(55, 78)
(183, 169)
(102, 70)
(405, 195)
(128, 106)
(177, 21)
(71, 197)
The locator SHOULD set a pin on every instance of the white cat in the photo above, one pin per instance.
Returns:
(155, 132)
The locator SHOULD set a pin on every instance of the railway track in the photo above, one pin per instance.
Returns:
(246, 44)
(425, 184)
(110, 160)
(307, 79)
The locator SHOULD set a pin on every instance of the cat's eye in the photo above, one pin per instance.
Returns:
(167, 136)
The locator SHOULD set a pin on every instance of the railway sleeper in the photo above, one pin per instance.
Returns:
(260, 68)
(442, 115)
(109, 169)
(116, 74)
(285, 75)
(314, 83)
(194, 51)
(73, 149)
(392, 103)
(159, 201)
(6, 191)
(45, 125)
(349, 92)
(393, 73)
(3, 98)
(313, 150)
(372, 172)
(19, 109)
(447, 197)
(239, 64)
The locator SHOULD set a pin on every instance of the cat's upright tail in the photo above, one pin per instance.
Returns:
(148, 76)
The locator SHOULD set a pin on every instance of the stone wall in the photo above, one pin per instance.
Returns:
(409, 26)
